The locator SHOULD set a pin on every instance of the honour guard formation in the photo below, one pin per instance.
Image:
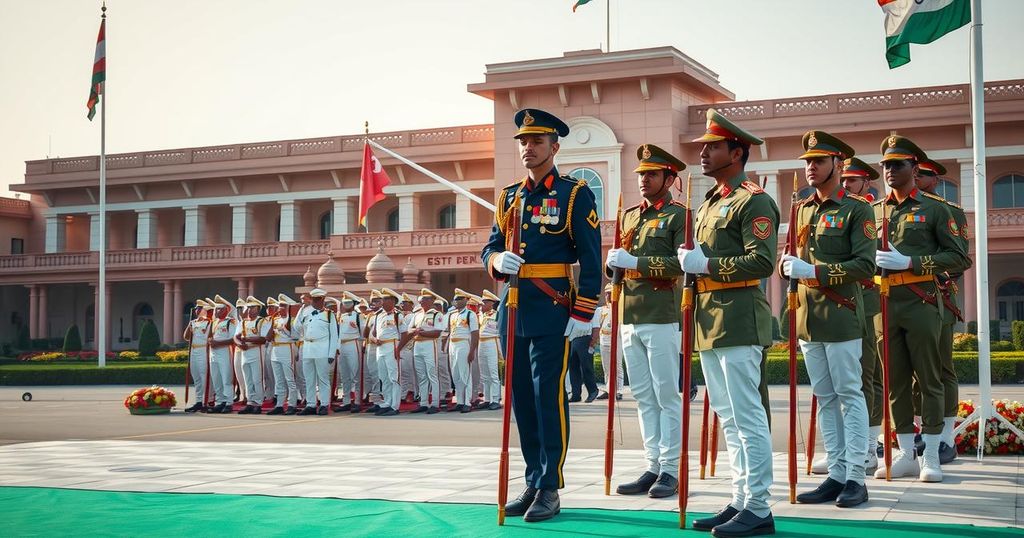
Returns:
(872, 304)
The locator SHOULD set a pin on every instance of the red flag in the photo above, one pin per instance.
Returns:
(99, 70)
(372, 180)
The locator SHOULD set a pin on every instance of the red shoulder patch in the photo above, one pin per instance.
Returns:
(762, 227)
(754, 188)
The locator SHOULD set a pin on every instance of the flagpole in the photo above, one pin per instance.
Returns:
(366, 139)
(101, 300)
(608, 25)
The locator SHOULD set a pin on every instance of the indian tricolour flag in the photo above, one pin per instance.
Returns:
(919, 21)
(99, 70)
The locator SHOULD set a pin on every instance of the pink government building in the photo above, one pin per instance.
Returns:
(264, 217)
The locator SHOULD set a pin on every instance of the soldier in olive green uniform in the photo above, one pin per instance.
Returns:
(835, 248)
(651, 293)
(927, 180)
(924, 241)
(737, 236)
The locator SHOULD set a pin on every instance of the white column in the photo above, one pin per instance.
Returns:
(408, 212)
(94, 231)
(967, 184)
(343, 214)
(241, 223)
(289, 220)
(146, 223)
(195, 225)
(56, 226)
(772, 185)
(463, 211)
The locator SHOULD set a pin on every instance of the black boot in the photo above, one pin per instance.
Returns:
(545, 506)
(638, 486)
(522, 503)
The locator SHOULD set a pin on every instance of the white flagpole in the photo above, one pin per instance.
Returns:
(434, 176)
(101, 300)
(980, 228)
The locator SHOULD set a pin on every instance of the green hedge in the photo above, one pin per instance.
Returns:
(90, 374)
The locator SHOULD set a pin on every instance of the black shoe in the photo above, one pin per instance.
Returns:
(276, 411)
(852, 495)
(946, 453)
(494, 406)
(603, 395)
(322, 411)
(389, 412)
(275, 401)
(638, 486)
(257, 409)
(466, 409)
(227, 409)
(545, 506)
(745, 523)
(381, 410)
(666, 486)
(308, 411)
(483, 405)
(693, 392)
(454, 408)
(618, 396)
(575, 398)
(432, 410)
(828, 491)
(919, 444)
(342, 408)
(521, 503)
(245, 410)
(356, 408)
(373, 409)
(591, 396)
(420, 409)
(219, 408)
(195, 407)
(721, 517)
(292, 410)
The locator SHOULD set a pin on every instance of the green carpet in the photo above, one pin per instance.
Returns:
(27, 511)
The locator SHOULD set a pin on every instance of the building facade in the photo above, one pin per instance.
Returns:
(260, 218)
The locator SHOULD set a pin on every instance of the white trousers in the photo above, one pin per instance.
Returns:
(408, 371)
(477, 378)
(835, 372)
(317, 372)
(606, 365)
(390, 376)
(300, 376)
(652, 354)
(197, 368)
(221, 375)
(459, 356)
(282, 365)
(252, 374)
(444, 372)
(348, 370)
(425, 356)
(370, 370)
(732, 375)
(487, 357)
(268, 373)
(237, 366)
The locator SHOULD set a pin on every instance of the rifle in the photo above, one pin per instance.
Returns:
(613, 369)
(791, 310)
(689, 285)
(883, 292)
(511, 306)
(188, 365)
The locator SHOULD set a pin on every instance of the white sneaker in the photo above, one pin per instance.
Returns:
(903, 464)
(870, 462)
(820, 466)
(931, 471)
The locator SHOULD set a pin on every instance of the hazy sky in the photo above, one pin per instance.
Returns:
(191, 73)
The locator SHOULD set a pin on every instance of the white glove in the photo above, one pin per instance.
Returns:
(892, 260)
(693, 261)
(507, 263)
(794, 267)
(576, 328)
(620, 259)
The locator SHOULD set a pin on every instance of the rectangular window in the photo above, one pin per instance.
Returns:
(17, 245)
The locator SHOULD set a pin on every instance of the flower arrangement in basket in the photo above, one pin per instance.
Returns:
(150, 401)
(998, 438)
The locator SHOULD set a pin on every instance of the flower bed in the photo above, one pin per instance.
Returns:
(177, 355)
(128, 355)
(998, 438)
(151, 400)
(50, 356)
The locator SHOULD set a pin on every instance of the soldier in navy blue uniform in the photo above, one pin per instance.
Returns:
(558, 226)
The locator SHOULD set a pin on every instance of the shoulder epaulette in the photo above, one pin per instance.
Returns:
(632, 207)
(678, 203)
(933, 196)
(754, 188)
(858, 198)
(879, 201)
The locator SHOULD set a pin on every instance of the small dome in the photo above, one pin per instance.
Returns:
(410, 273)
(329, 274)
(309, 279)
(380, 268)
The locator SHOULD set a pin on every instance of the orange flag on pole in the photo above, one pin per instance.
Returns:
(372, 180)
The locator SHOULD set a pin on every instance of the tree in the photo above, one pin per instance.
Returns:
(149, 339)
(72, 339)
(23, 342)
(1017, 330)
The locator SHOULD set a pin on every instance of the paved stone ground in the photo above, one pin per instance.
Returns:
(81, 437)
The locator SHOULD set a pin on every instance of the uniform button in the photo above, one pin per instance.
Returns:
(522, 245)
(529, 208)
(526, 226)
(812, 249)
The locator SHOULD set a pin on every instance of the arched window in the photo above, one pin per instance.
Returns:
(1008, 191)
(1010, 301)
(140, 314)
(593, 180)
(326, 225)
(90, 323)
(393, 220)
(446, 217)
(948, 190)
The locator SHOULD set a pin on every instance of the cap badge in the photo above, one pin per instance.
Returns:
(646, 153)
(892, 141)
(812, 140)
(527, 119)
